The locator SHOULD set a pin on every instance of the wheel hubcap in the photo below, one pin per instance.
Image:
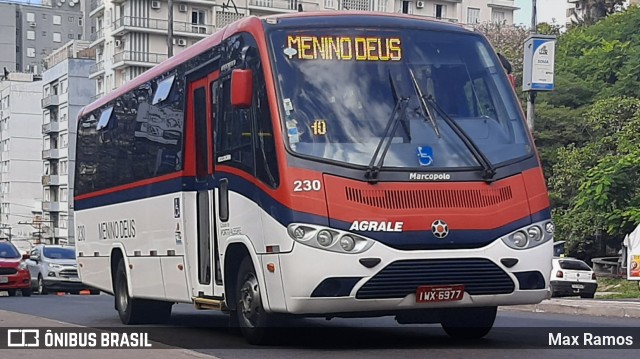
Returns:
(40, 285)
(250, 302)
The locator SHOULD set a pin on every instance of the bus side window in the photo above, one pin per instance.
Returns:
(234, 133)
(266, 161)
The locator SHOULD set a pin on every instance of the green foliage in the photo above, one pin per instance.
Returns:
(596, 187)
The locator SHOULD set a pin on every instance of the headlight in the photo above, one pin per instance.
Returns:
(535, 233)
(519, 239)
(347, 243)
(22, 266)
(325, 238)
(529, 236)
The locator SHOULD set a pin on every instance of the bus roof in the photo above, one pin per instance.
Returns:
(217, 37)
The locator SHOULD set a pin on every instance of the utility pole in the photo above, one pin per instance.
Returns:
(531, 96)
(170, 30)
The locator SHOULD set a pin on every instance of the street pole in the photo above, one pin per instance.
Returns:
(170, 30)
(531, 96)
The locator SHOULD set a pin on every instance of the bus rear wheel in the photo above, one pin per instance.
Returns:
(253, 320)
(134, 310)
(469, 323)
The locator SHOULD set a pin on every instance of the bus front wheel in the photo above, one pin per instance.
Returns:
(253, 320)
(137, 311)
(468, 323)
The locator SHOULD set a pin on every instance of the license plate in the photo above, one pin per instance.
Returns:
(4, 279)
(577, 286)
(439, 293)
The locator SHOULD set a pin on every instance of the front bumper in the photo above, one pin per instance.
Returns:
(304, 270)
(20, 280)
(61, 284)
(567, 288)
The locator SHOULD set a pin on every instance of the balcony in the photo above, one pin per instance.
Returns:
(96, 7)
(125, 24)
(53, 126)
(96, 69)
(277, 6)
(50, 180)
(53, 154)
(50, 101)
(503, 4)
(96, 37)
(54, 206)
(137, 58)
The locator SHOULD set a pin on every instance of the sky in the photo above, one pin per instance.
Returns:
(548, 10)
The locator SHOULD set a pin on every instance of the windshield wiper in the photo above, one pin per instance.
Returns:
(487, 169)
(426, 110)
(398, 115)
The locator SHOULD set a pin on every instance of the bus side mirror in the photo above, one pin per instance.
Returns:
(241, 88)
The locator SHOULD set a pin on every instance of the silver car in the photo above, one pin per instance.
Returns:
(54, 268)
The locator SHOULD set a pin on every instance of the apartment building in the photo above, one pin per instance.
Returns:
(28, 33)
(20, 152)
(65, 89)
(130, 36)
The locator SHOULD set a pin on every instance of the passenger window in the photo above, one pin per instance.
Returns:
(234, 145)
(162, 92)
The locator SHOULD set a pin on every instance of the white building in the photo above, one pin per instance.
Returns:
(20, 153)
(130, 36)
(65, 89)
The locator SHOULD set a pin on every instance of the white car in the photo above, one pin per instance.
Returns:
(572, 277)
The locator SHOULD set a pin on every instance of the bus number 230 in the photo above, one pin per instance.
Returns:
(306, 185)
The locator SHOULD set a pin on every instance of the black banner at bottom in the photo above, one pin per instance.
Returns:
(330, 337)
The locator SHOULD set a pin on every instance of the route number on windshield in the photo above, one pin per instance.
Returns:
(306, 185)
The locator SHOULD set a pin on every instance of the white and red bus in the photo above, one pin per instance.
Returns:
(316, 164)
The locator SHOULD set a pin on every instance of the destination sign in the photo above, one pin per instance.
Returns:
(346, 48)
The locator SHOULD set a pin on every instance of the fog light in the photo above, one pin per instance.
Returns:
(347, 243)
(298, 233)
(324, 238)
(52, 274)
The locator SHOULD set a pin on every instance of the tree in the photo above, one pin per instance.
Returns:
(596, 187)
(594, 10)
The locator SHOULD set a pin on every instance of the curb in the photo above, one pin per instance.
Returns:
(598, 308)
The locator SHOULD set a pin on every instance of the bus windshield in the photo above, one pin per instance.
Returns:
(338, 89)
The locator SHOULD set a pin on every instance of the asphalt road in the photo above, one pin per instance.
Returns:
(341, 338)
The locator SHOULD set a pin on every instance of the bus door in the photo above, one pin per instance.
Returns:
(202, 110)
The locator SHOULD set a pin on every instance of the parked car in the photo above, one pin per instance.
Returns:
(572, 277)
(54, 268)
(14, 275)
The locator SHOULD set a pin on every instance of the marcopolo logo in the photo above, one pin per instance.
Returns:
(23, 338)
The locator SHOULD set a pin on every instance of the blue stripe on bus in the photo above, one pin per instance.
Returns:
(409, 240)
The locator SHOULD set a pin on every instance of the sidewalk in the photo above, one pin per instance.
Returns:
(619, 308)
(18, 320)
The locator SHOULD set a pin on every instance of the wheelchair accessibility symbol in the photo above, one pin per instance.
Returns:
(425, 156)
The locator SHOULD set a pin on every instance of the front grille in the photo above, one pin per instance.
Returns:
(429, 198)
(399, 279)
(69, 273)
(8, 271)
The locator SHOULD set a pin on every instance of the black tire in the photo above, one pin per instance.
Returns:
(469, 323)
(254, 323)
(587, 295)
(42, 289)
(26, 292)
(11, 292)
(137, 311)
